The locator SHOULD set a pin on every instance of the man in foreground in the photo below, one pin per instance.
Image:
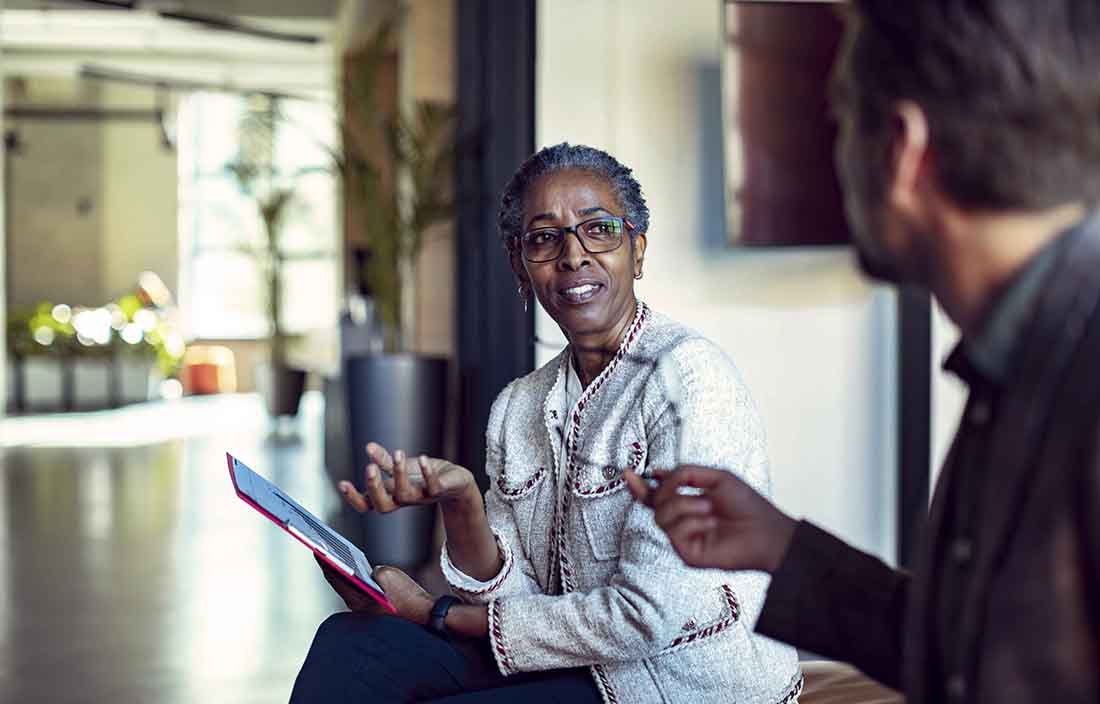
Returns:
(970, 158)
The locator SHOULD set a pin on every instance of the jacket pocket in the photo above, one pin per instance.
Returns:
(600, 491)
(717, 611)
(603, 515)
(521, 494)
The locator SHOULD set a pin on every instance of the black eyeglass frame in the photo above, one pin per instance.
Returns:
(517, 240)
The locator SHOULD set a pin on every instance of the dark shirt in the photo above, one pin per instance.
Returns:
(821, 572)
(984, 362)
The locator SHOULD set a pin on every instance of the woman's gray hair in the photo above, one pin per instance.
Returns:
(562, 157)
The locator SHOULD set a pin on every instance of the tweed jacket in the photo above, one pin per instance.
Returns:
(588, 579)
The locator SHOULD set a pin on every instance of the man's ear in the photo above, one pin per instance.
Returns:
(910, 158)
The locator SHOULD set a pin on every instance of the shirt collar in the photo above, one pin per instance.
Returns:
(988, 353)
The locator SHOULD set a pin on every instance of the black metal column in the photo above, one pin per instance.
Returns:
(914, 418)
(496, 102)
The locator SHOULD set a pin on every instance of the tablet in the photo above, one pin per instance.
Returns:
(289, 515)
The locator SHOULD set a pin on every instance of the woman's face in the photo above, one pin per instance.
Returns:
(584, 293)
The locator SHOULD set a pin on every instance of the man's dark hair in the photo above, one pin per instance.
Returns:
(562, 157)
(1011, 89)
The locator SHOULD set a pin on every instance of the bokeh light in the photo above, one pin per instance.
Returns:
(171, 389)
(131, 333)
(62, 313)
(44, 336)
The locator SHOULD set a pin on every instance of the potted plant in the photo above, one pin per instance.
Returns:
(272, 190)
(397, 170)
(76, 357)
(38, 344)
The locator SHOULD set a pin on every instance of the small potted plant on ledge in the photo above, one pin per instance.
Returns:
(272, 189)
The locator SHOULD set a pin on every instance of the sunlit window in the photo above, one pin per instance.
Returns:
(223, 290)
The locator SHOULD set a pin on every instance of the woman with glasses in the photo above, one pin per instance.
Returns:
(566, 590)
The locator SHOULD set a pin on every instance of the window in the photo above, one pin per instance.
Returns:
(223, 290)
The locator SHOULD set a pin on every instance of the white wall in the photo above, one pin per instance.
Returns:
(814, 341)
(3, 257)
(948, 393)
(102, 193)
(140, 186)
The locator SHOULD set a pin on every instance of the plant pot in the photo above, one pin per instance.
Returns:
(400, 402)
(281, 387)
(43, 384)
(132, 380)
(91, 384)
(13, 376)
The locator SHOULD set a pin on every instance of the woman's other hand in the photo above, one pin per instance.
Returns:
(728, 526)
(353, 597)
(410, 600)
(424, 480)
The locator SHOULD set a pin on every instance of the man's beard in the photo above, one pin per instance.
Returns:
(870, 253)
(865, 211)
(877, 269)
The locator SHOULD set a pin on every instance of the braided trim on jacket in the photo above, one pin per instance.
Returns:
(598, 490)
(565, 569)
(795, 689)
(636, 456)
(496, 639)
(713, 629)
(505, 569)
(604, 685)
(515, 493)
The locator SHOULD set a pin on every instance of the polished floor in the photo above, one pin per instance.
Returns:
(130, 571)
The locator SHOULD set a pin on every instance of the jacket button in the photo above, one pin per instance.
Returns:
(962, 551)
(956, 687)
(609, 472)
(980, 413)
(690, 625)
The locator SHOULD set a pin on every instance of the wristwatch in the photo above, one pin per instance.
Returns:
(437, 619)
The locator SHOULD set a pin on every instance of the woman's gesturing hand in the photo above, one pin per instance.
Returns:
(425, 480)
(728, 526)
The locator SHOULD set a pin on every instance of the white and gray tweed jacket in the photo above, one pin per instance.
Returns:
(588, 578)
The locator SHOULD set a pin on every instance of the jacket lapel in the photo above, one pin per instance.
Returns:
(919, 614)
(1058, 325)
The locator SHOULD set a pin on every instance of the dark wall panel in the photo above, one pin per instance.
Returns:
(914, 418)
(496, 99)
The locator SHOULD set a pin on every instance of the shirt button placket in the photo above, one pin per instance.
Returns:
(980, 412)
(956, 688)
(962, 551)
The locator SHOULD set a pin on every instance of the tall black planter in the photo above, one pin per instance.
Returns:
(284, 391)
(398, 401)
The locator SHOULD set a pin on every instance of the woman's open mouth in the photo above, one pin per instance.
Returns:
(580, 293)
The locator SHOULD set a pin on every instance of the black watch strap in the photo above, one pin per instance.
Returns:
(437, 620)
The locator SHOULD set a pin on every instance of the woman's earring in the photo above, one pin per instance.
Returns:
(638, 275)
(523, 297)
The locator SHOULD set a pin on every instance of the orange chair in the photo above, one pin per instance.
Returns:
(208, 369)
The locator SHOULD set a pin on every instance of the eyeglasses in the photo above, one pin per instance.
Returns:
(597, 236)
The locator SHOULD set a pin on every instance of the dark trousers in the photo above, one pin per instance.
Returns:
(364, 658)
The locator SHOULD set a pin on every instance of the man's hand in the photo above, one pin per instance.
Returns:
(408, 597)
(728, 525)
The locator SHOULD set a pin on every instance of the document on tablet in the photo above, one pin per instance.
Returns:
(289, 515)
